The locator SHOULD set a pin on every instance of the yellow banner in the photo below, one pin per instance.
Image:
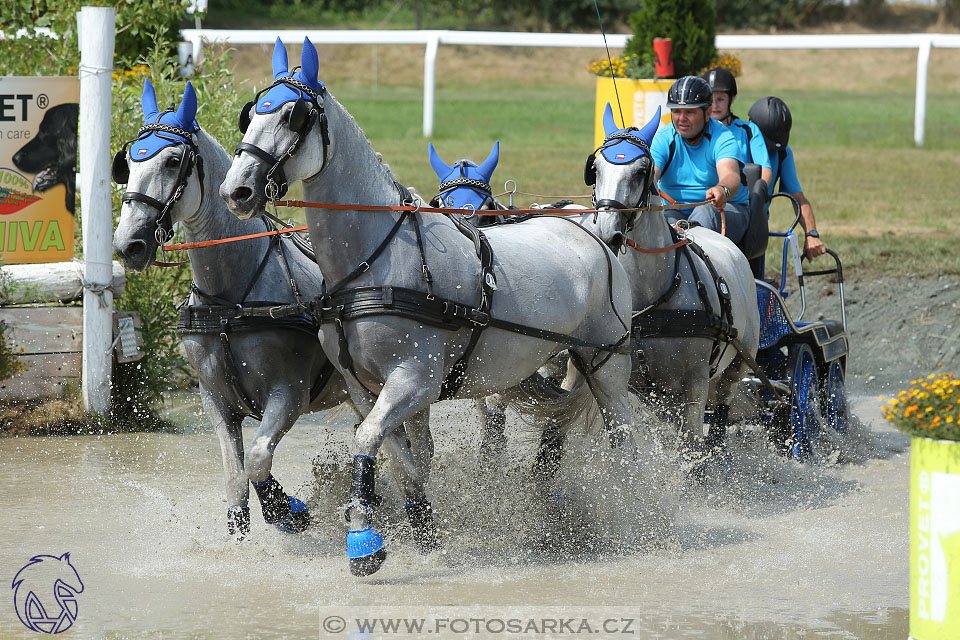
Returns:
(934, 539)
(38, 168)
(638, 102)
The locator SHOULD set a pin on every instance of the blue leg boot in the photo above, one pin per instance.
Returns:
(365, 547)
(286, 513)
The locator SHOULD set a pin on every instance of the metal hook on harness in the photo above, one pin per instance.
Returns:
(506, 187)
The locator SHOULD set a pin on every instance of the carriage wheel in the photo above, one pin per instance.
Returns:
(833, 403)
(796, 425)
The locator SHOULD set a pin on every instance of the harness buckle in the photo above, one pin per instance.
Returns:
(277, 309)
(479, 318)
(364, 266)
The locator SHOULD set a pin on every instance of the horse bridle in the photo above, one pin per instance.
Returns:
(590, 178)
(188, 159)
(302, 119)
(481, 187)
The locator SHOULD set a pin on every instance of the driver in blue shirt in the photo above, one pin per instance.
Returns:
(696, 158)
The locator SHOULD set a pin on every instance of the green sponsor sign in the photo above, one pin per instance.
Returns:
(934, 539)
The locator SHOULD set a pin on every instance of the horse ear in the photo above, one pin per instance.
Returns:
(280, 65)
(486, 169)
(609, 124)
(309, 63)
(188, 108)
(650, 129)
(149, 101)
(441, 168)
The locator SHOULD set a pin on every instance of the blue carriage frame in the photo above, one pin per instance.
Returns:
(805, 361)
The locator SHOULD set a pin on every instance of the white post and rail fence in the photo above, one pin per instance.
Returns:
(431, 40)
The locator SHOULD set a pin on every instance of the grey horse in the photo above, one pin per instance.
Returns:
(681, 340)
(465, 185)
(410, 296)
(248, 365)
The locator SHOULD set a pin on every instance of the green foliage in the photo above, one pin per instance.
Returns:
(541, 14)
(689, 23)
(139, 26)
(759, 14)
(156, 292)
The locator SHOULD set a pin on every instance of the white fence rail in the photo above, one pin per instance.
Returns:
(923, 42)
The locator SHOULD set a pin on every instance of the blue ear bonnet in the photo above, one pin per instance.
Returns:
(623, 152)
(476, 191)
(618, 150)
(281, 94)
(465, 197)
(147, 146)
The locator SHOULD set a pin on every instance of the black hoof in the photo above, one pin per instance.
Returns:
(425, 533)
(296, 522)
(238, 522)
(368, 565)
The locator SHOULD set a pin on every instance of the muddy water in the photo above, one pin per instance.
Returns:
(762, 548)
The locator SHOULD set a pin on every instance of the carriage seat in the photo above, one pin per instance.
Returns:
(754, 243)
(833, 327)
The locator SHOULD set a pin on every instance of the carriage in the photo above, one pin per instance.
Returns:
(805, 361)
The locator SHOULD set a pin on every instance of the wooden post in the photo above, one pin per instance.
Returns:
(95, 26)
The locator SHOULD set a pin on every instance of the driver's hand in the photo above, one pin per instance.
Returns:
(813, 247)
(717, 197)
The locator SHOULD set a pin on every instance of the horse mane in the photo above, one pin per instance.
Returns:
(216, 160)
(348, 121)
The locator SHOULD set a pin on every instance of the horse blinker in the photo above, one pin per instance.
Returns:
(590, 171)
(120, 170)
(245, 115)
(298, 116)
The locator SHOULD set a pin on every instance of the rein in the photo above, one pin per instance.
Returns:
(406, 208)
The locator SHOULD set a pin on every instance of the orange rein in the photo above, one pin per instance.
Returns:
(444, 210)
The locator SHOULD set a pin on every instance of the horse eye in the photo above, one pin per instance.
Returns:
(173, 162)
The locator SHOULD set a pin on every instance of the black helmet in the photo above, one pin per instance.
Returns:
(773, 117)
(721, 79)
(689, 92)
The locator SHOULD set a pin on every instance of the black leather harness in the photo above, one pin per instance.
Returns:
(339, 304)
(221, 317)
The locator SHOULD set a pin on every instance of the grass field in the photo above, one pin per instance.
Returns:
(886, 206)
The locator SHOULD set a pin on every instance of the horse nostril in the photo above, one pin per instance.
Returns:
(134, 251)
(241, 194)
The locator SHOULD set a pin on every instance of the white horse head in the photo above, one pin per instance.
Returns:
(278, 151)
(621, 171)
(163, 171)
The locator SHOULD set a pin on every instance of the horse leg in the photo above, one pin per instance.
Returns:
(690, 432)
(721, 412)
(404, 393)
(420, 439)
(285, 512)
(493, 440)
(610, 387)
(226, 424)
(409, 477)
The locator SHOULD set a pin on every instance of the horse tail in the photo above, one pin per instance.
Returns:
(542, 403)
